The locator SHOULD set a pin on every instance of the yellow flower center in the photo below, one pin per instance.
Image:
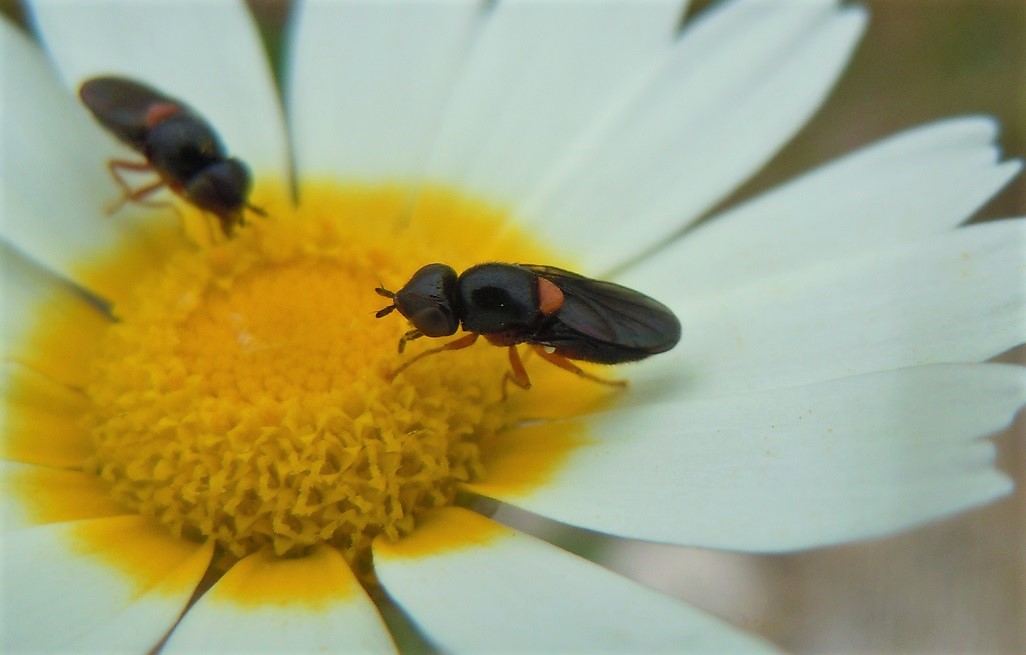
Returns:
(244, 393)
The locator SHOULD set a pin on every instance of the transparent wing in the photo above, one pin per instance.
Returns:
(611, 313)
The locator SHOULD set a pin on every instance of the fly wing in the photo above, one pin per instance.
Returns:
(121, 104)
(611, 313)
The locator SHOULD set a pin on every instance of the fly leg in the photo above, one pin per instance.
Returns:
(137, 196)
(567, 365)
(518, 374)
(128, 194)
(463, 342)
(406, 338)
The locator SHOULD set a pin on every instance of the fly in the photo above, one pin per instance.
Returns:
(563, 316)
(178, 145)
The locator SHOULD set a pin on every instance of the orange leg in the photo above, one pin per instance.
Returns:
(567, 365)
(115, 165)
(463, 342)
(137, 196)
(128, 194)
(518, 375)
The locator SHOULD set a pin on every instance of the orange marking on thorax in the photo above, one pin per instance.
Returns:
(160, 111)
(550, 297)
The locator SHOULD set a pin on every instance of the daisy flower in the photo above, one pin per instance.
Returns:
(204, 449)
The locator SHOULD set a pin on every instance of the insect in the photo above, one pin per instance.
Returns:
(563, 316)
(178, 144)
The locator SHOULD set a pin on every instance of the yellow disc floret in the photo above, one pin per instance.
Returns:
(244, 394)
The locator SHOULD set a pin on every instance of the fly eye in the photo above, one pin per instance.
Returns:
(434, 322)
(220, 187)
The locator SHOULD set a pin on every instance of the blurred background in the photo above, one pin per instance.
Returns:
(957, 586)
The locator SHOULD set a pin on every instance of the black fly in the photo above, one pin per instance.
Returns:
(178, 144)
(562, 315)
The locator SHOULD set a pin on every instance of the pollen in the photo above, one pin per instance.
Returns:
(244, 393)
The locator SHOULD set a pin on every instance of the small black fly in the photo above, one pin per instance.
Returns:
(178, 144)
(563, 316)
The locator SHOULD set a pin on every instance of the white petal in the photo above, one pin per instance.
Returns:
(36, 495)
(41, 419)
(920, 182)
(55, 183)
(473, 585)
(739, 84)
(780, 470)
(105, 585)
(367, 82)
(268, 604)
(208, 55)
(958, 296)
(35, 301)
(538, 74)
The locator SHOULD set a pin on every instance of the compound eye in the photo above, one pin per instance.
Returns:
(428, 300)
(434, 322)
(221, 187)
